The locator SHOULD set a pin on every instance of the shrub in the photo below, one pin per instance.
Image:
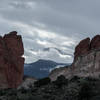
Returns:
(85, 91)
(91, 79)
(23, 90)
(42, 82)
(61, 80)
(74, 78)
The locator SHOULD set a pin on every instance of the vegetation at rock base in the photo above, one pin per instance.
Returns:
(85, 91)
(61, 80)
(76, 88)
(42, 82)
(74, 78)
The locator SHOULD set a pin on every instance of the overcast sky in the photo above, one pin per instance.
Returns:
(50, 28)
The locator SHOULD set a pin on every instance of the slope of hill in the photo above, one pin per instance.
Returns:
(41, 68)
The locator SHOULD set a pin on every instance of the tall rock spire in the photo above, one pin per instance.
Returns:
(11, 60)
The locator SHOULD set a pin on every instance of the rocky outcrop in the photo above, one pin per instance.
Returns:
(86, 60)
(28, 83)
(88, 63)
(11, 60)
(83, 47)
(95, 42)
(57, 72)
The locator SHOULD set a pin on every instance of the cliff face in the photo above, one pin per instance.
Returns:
(11, 60)
(86, 60)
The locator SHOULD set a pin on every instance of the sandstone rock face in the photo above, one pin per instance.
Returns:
(88, 65)
(86, 60)
(66, 71)
(57, 72)
(95, 42)
(11, 60)
(82, 48)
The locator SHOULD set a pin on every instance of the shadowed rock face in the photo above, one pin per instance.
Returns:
(86, 60)
(87, 45)
(95, 42)
(82, 48)
(11, 60)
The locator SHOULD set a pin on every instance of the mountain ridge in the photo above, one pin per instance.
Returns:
(41, 68)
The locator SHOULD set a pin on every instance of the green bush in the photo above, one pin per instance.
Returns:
(42, 82)
(61, 80)
(22, 90)
(74, 78)
(85, 92)
(91, 79)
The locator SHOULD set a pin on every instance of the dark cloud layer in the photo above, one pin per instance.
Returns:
(59, 24)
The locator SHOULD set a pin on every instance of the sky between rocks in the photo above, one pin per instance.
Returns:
(50, 28)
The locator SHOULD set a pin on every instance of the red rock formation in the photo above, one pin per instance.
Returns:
(95, 42)
(82, 48)
(86, 60)
(11, 60)
(89, 63)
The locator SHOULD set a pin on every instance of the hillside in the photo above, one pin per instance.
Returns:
(41, 68)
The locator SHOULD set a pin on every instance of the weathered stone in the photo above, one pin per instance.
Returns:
(95, 42)
(87, 63)
(86, 60)
(57, 72)
(82, 48)
(11, 60)
(28, 82)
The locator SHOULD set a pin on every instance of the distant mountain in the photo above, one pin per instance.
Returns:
(41, 68)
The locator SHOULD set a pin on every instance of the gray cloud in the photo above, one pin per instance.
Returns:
(57, 24)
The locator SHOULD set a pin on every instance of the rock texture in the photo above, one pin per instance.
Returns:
(95, 42)
(11, 60)
(28, 83)
(86, 60)
(82, 48)
(88, 63)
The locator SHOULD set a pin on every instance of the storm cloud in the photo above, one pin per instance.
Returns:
(43, 24)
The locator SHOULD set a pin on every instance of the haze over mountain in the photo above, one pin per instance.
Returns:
(41, 68)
